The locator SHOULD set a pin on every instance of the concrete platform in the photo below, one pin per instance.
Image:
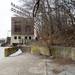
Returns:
(27, 64)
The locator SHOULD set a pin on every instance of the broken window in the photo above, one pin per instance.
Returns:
(25, 37)
(15, 37)
(19, 37)
(30, 37)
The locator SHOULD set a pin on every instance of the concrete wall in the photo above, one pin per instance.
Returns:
(25, 49)
(65, 52)
(25, 26)
(22, 38)
(9, 51)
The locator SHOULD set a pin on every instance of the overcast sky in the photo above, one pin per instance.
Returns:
(5, 20)
(5, 17)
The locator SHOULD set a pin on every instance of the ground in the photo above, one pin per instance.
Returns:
(28, 64)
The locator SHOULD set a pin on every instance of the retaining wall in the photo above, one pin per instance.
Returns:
(65, 52)
(9, 51)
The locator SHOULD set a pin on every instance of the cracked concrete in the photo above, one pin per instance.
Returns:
(27, 64)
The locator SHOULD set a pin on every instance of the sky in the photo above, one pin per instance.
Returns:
(5, 18)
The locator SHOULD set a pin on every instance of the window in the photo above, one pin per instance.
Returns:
(28, 29)
(17, 28)
(17, 22)
(30, 37)
(19, 37)
(25, 37)
(15, 37)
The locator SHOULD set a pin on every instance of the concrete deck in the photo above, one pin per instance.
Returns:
(27, 64)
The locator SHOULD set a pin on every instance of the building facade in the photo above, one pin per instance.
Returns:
(22, 30)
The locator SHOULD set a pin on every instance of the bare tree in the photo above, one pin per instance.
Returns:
(53, 18)
(62, 13)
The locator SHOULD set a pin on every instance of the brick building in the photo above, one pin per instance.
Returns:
(22, 30)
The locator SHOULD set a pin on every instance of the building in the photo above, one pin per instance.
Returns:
(22, 30)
